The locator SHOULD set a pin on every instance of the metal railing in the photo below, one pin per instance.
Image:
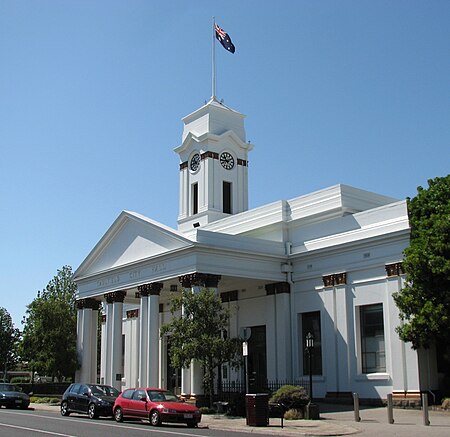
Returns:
(269, 386)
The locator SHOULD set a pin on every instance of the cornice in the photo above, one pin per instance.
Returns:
(213, 138)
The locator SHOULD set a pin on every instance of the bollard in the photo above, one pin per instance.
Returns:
(390, 409)
(356, 407)
(426, 417)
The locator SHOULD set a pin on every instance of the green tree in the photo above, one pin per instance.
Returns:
(197, 333)
(9, 337)
(50, 331)
(424, 302)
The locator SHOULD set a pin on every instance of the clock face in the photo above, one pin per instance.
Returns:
(195, 162)
(227, 160)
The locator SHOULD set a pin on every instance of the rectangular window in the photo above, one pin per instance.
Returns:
(373, 357)
(227, 197)
(311, 324)
(194, 198)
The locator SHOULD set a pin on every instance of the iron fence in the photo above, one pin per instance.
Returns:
(265, 387)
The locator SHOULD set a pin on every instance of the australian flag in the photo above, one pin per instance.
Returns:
(224, 39)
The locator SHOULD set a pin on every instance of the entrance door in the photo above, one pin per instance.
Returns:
(257, 359)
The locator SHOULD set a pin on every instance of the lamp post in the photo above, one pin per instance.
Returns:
(309, 348)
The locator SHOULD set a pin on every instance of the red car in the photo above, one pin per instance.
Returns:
(156, 405)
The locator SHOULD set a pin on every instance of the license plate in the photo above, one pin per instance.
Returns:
(18, 401)
(188, 416)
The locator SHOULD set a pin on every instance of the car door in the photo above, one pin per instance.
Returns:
(138, 404)
(78, 398)
(72, 396)
(125, 401)
(83, 399)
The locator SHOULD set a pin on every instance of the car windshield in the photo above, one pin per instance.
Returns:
(104, 390)
(8, 387)
(162, 396)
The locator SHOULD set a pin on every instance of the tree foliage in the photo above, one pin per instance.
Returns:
(9, 337)
(50, 331)
(197, 333)
(424, 302)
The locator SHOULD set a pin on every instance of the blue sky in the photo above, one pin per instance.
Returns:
(92, 94)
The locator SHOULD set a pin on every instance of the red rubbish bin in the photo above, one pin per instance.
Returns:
(257, 409)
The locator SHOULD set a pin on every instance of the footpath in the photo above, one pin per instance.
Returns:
(335, 420)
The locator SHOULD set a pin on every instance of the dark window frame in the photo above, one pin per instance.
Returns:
(372, 334)
(311, 322)
(194, 198)
(227, 201)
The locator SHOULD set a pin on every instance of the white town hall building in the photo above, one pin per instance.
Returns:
(326, 263)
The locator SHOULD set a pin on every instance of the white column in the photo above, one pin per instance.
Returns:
(343, 340)
(153, 341)
(86, 348)
(107, 342)
(94, 343)
(87, 339)
(282, 334)
(149, 362)
(103, 351)
(78, 373)
(186, 381)
(134, 371)
(131, 355)
(143, 323)
(115, 375)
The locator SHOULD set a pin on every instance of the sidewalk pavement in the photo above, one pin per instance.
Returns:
(336, 420)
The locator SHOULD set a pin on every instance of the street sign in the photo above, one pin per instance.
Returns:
(244, 348)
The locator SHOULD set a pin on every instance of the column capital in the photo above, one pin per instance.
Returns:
(277, 288)
(151, 289)
(115, 296)
(335, 279)
(89, 302)
(200, 280)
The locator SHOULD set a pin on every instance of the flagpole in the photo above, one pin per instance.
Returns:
(213, 96)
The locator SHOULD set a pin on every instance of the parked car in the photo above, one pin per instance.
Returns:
(156, 405)
(92, 399)
(11, 396)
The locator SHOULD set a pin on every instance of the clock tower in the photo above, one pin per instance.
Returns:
(213, 166)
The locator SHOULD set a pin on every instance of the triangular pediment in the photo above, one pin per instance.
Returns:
(131, 238)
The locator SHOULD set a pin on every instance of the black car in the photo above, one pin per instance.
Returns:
(11, 396)
(92, 399)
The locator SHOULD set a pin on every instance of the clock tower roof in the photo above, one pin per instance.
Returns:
(216, 118)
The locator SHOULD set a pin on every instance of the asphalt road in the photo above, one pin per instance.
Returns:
(16, 423)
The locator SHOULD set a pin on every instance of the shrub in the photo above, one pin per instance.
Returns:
(207, 410)
(291, 396)
(20, 379)
(293, 414)
(45, 400)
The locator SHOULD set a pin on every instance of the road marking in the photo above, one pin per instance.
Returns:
(113, 424)
(37, 430)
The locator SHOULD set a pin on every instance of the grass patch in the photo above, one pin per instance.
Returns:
(45, 400)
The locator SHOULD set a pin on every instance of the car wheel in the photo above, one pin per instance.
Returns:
(118, 414)
(155, 419)
(64, 409)
(92, 413)
(191, 424)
